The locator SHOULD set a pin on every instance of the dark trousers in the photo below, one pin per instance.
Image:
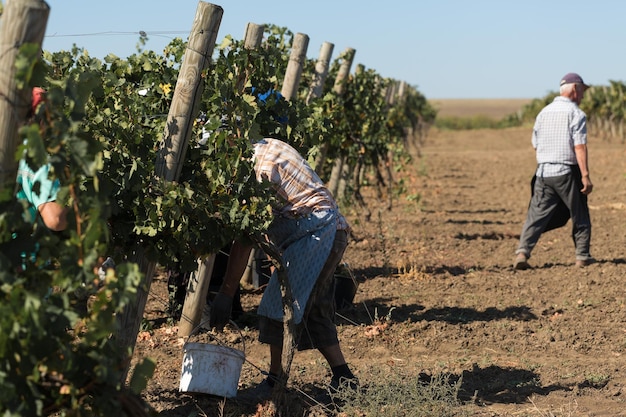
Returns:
(548, 193)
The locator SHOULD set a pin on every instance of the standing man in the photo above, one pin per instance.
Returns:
(562, 176)
(311, 235)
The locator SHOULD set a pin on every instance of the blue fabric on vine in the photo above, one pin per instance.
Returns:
(264, 96)
(305, 244)
(263, 100)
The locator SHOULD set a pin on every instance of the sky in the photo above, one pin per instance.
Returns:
(444, 48)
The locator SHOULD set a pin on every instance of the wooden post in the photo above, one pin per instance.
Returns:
(253, 36)
(295, 66)
(252, 40)
(195, 297)
(339, 88)
(129, 320)
(317, 88)
(401, 90)
(248, 278)
(190, 85)
(170, 158)
(335, 176)
(321, 71)
(23, 21)
(188, 91)
(341, 176)
(395, 94)
(344, 71)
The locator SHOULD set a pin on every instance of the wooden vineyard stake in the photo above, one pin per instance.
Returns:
(178, 127)
(23, 21)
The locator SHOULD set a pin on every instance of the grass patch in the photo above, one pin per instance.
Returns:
(401, 394)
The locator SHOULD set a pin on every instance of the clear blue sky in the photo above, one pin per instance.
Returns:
(445, 48)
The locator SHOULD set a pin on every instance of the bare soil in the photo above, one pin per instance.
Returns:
(492, 108)
(548, 341)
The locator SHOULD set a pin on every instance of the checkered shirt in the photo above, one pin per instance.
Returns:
(298, 186)
(559, 127)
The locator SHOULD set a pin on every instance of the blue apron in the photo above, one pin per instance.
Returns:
(305, 244)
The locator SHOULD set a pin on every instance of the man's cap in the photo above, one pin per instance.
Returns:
(573, 78)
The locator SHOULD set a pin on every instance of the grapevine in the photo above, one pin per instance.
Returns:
(102, 127)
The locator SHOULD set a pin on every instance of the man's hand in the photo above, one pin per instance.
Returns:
(587, 185)
(220, 310)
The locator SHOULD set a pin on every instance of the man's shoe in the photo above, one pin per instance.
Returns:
(521, 261)
(581, 263)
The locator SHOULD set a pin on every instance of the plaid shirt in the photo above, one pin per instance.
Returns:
(559, 127)
(297, 184)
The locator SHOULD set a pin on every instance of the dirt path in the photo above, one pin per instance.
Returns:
(554, 333)
(549, 341)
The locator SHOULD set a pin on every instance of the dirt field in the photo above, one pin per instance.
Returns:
(548, 341)
(494, 108)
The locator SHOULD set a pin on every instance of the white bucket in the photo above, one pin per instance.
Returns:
(211, 369)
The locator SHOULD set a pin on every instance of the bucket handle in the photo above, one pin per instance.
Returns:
(243, 343)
